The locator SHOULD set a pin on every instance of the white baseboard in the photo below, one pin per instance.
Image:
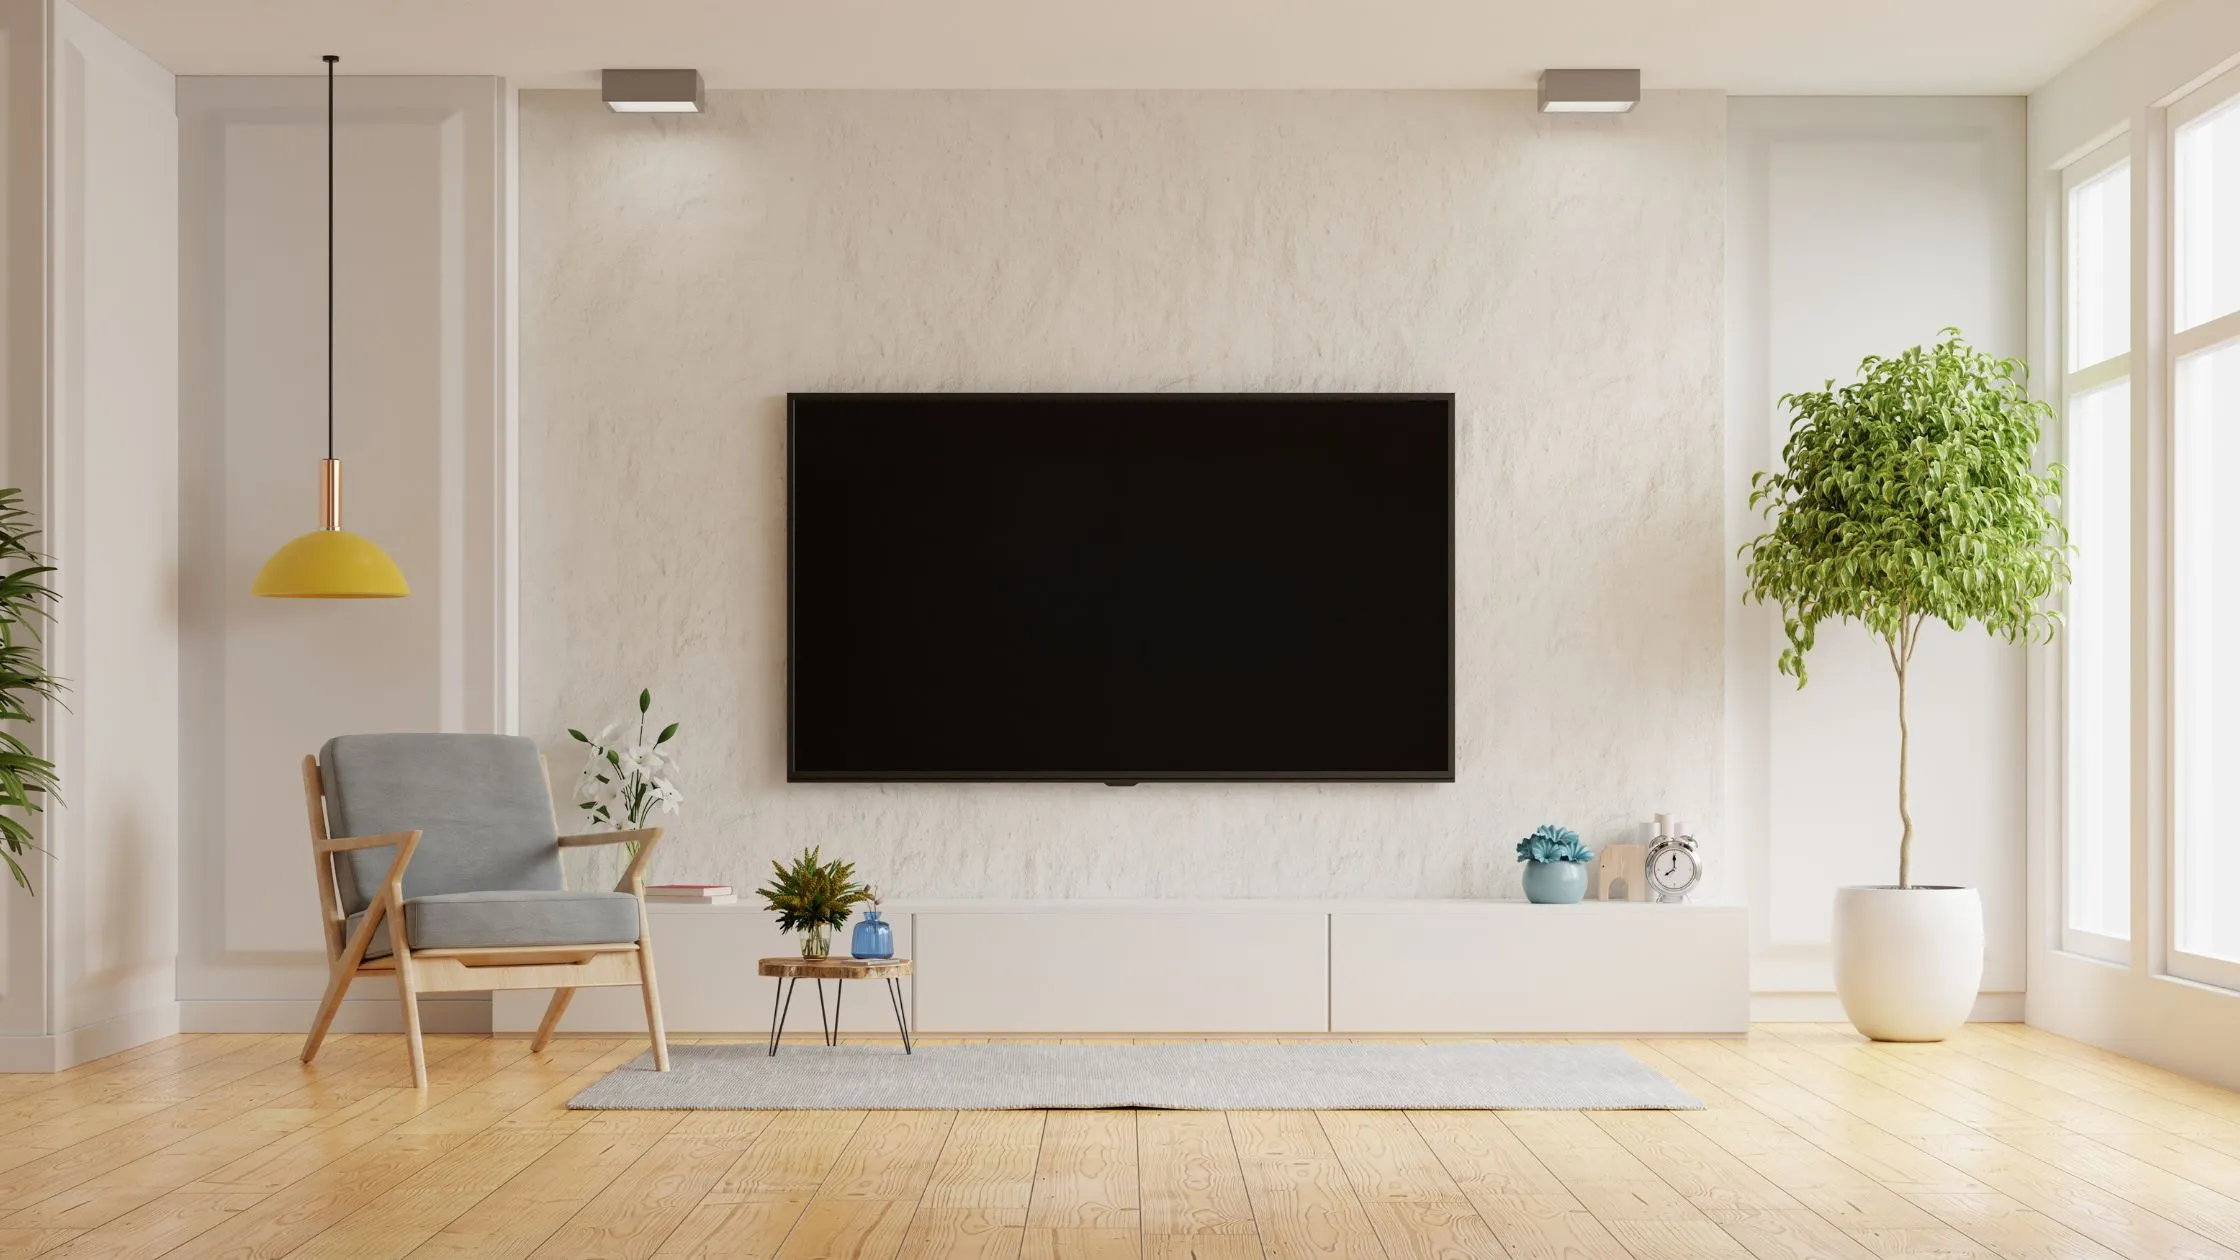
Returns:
(468, 1014)
(1826, 1008)
(58, 1051)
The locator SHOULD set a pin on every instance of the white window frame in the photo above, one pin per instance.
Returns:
(2180, 344)
(2077, 381)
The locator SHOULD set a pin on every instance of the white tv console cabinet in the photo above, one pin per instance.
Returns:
(1220, 967)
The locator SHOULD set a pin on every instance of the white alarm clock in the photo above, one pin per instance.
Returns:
(1673, 868)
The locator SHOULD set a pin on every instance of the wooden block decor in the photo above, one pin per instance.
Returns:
(1619, 873)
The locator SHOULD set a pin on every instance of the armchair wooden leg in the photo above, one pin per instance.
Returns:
(551, 1023)
(408, 993)
(338, 980)
(653, 1008)
(338, 983)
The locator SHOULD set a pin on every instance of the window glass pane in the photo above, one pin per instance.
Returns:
(2207, 664)
(2207, 171)
(2099, 277)
(2099, 663)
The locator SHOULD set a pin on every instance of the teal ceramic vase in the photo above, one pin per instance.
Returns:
(1555, 883)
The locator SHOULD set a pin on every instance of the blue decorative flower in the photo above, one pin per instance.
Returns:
(1553, 844)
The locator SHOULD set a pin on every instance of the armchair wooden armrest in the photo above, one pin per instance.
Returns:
(407, 841)
(387, 902)
(643, 835)
(646, 838)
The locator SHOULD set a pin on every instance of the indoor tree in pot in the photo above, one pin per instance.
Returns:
(1912, 495)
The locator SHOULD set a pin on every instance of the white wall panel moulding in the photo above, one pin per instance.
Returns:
(1909, 212)
(89, 241)
(422, 215)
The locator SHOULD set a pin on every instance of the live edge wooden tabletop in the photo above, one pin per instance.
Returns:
(834, 968)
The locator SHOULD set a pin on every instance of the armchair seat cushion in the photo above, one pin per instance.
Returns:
(497, 920)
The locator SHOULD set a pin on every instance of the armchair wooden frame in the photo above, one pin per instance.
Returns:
(561, 968)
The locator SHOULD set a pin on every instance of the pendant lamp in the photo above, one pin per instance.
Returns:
(330, 562)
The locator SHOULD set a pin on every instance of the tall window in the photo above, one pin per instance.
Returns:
(2097, 658)
(2205, 534)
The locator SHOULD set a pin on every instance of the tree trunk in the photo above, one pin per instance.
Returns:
(1905, 811)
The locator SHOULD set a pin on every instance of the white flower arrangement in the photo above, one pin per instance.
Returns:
(622, 784)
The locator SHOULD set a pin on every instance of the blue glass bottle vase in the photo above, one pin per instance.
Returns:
(874, 937)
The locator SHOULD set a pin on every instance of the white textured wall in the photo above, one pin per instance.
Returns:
(1561, 275)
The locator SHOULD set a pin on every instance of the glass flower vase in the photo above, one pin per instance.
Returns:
(816, 941)
(874, 937)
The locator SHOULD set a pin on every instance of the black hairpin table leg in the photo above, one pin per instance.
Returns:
(788, 972)
(779, 1012)
(901, 1013)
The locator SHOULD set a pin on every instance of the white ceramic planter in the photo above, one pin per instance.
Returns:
(1909, 961)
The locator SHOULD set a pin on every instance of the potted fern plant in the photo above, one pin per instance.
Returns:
(1911, 496)
(812, 896)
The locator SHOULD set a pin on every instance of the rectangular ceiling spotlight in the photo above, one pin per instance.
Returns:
(652, 91)
(1589, 91)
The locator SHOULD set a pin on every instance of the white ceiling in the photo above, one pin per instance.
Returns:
(1742, 46)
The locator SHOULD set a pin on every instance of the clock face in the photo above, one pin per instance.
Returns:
(1673, 869)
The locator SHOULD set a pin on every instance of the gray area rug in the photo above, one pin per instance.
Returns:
(1189, 1076)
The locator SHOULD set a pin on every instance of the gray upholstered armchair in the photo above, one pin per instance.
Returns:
(439, 863)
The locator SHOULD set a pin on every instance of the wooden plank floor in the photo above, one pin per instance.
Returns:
(2005, 1142)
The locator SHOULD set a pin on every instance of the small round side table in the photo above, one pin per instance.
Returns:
(790, 971)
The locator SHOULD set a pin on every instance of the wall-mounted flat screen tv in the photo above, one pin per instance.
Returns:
(1120, 588)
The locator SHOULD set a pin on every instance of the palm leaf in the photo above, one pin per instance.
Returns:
(24, 605)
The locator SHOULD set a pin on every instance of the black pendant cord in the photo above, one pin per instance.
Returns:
(330, 59)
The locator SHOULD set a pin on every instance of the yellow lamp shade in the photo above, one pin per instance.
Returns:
(330, 564)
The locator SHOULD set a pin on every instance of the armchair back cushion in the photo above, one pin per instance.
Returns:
(480, 803)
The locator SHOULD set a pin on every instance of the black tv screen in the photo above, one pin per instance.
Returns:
(1120, 587)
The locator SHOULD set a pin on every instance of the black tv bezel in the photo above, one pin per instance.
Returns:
(1115, 777)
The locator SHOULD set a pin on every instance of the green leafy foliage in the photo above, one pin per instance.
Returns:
(1551, 843)
(1911, 495)
(812, 892)
(25, 779)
